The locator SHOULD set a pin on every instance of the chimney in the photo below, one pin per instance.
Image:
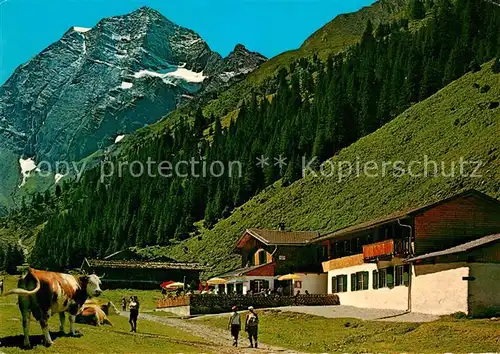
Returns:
(281, 226)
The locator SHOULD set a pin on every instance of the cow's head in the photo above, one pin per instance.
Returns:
(92, 284)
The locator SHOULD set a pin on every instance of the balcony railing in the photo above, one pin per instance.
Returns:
(343, 262)
(385, 248)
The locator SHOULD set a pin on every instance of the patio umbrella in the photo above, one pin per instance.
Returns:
(175, 285)
(166, 283)
(216, 281)
(289, 277)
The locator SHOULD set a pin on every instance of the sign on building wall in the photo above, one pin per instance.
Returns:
(282, 258)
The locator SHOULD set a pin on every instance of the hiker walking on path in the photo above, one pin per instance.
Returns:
(234, 325)
(134, 313)
(1, 286)
(252, 326)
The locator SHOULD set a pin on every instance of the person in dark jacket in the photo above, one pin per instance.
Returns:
(252, 326)
(134, 313)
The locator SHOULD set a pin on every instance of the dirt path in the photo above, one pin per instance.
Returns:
(215, 338)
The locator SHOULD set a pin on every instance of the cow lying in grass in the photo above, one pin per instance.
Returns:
(93, 314)
(44, 294)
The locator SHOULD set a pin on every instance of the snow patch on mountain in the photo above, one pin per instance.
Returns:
(27, 166)
(119, 138)
(58, 177)
(81, 29)
(180, 72)
(84, 43)
(188, 75)
(126, 85)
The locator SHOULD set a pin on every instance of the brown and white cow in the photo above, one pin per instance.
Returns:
(44, 294)
(94, 314)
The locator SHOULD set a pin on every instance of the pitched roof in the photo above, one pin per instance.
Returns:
(460, 248)
(124, 264)
(241, 271)
(277, 237)
(365, 225)
(402, 215)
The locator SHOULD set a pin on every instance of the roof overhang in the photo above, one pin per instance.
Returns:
(96, 263)
(246, 236)
(246, 271)
(362, 227)
(249, 233)
(464, 247)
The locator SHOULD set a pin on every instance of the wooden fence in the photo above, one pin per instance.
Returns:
(173, 302)
(205, 304)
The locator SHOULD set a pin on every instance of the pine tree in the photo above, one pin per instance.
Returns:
(58, 191)
(416, 10)
(293, 172)
(496, 66)
(454, 66)
(6, 259)
(2, 259)
(46, 197)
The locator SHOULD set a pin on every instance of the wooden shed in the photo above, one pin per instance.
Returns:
(135, 274)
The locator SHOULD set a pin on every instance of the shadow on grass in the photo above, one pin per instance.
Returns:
(18, 341)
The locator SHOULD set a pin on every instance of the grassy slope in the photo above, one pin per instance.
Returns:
(147, 298)
(343, 31)
(356, 336)
(453, 123)
(334, 37)
(151, 338)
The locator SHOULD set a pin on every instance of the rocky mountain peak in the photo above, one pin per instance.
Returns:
(232, 68)
(146, 10)
(241, 51)
(240, 48)
(94, 84)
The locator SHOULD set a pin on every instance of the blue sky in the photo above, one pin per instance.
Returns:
(267, 26)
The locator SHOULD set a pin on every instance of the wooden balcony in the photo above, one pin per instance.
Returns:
(384, 248)
(343, 262)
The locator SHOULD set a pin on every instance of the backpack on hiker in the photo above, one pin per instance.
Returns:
(253, 320)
